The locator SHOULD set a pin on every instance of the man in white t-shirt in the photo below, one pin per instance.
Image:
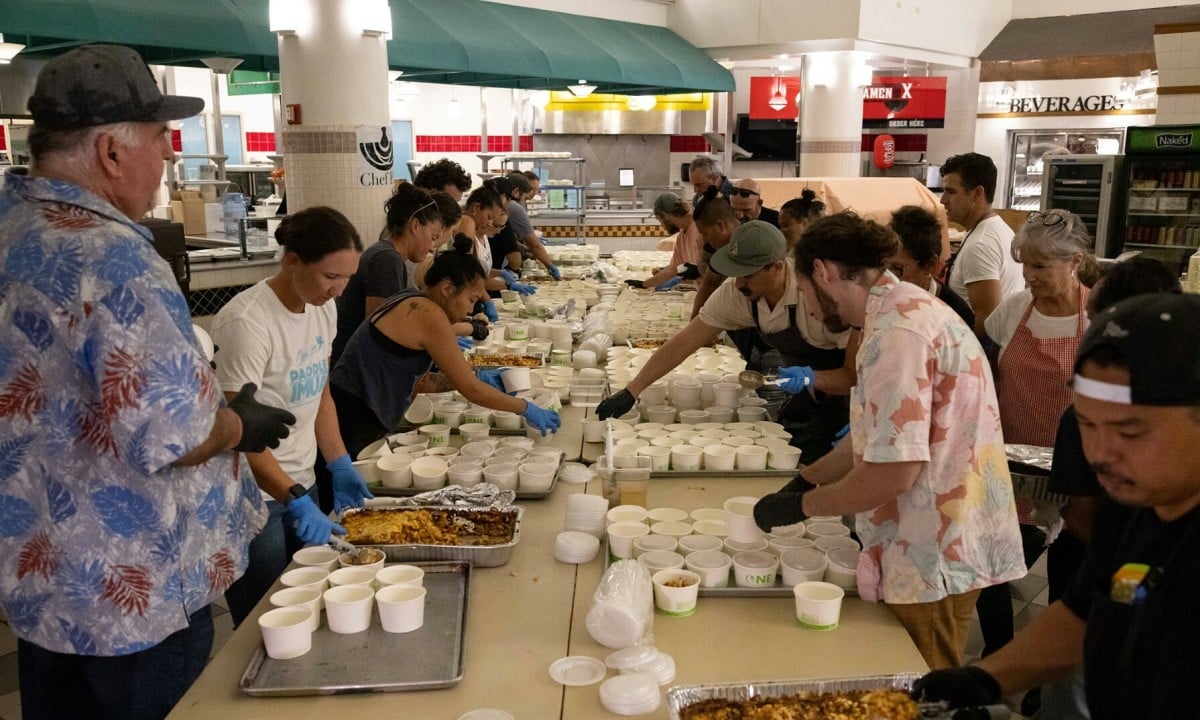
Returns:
(983, 271)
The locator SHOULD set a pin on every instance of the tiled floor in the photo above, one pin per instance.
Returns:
(1029, 598)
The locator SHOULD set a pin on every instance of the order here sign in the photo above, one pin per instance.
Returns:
(904, 102)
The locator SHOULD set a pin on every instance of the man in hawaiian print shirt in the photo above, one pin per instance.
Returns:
(924, 473)
(122, 510)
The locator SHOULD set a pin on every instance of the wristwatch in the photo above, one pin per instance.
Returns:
(297, 491)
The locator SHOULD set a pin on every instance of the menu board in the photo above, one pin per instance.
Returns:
(904, 102)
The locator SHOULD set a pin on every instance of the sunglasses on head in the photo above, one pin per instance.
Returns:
(1047, 218)
(742, 192)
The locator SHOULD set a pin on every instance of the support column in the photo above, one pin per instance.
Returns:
(340, 154)
(831, 114)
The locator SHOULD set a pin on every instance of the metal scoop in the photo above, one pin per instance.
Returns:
(751, 380)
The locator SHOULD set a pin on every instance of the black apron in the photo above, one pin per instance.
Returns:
(813, 419)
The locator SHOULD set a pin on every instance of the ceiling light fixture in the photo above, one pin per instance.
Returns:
(582, 89)
(778, 99)
(641, 103)
(9, 50)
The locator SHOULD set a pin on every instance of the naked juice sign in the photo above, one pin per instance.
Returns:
(905, 102)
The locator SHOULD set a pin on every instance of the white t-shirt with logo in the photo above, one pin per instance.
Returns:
(986, 254)
(287, 355)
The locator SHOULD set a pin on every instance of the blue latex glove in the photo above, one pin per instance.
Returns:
(796, 378)
(491, 377)
(464, 343)
(508, 278)
(554, 272)
(312, 526)
(663, 287)
(523, 288)
(349, 490)
(544, 420)
(489, 309)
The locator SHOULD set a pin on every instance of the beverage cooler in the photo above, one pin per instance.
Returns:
(1030, 150)
(1161, 191)
(1085, 185)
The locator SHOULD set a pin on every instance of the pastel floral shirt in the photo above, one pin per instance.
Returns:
(105, 549)
(925, 394)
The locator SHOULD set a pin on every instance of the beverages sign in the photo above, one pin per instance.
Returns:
(1061, 104)
(904, 102)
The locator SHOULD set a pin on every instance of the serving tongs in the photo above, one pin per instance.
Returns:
(941, 711)
(337, 543)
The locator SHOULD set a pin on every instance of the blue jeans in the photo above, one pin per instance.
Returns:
(270, 552)
(141, 686)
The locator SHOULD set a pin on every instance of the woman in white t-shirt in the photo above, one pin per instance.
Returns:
(278, 335)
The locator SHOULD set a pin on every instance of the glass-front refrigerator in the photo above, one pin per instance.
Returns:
(1161, 190)
(1085, 185)
(1030, 149)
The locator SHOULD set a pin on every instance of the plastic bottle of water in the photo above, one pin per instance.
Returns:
(233, 208)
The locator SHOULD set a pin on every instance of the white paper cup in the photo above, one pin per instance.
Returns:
(352, 576)
(467, 474)
(318, 556)
(660, 457)
(751, 457)
(429, 473)
(733, 547)
(686, 457)
(627, 513)
(286, 632)
(721, 414)
(660, 413)
(593, 431)
(655, 394)
(502, 475)
(369, 470)
(653, 543)
(751, 413)
(739, 514)
(708, 514)
(438, 435)
(474, 432)
(799, 565)
(818, 530)
(656, 560)
(401, 575)
(297, 597)
(780, 545)
(714, 528)
(727, 395)
(718, 456)
(373, 559)
(401, 608)
(348, 608)
(783, 458)
(836, 542)
(842, 569)
(711, 565)
(394, 470)
(818, 605)
(621, 536)
(479, 450)
(671, 528)
(535, 477)
(476, 416)
(517, 331)
(755, 569)
(506, 420)
(515, 379)
(309, 578)
(675, 601)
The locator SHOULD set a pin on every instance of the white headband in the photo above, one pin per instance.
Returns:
(1097, 390)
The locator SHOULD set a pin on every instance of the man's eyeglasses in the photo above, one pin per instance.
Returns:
(1048, 218)
(742, 192)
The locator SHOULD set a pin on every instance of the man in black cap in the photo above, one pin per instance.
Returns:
(1129, 617)
(124, 513)
(518, 231)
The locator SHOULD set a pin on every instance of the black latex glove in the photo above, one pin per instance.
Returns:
(796, 485)
(779, 509)
(960, 687)
(616, 405)
(479, 330)
(263, 426)
(689, 271)
(637, 284)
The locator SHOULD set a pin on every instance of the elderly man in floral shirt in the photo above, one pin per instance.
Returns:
(925, 472)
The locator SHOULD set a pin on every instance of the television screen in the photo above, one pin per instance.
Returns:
(767, 139)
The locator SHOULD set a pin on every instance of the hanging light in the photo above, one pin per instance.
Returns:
(641, 103)
(582, 89)
(9, 50)
(778, 99)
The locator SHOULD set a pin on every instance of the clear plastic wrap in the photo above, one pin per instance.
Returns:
(622, 612)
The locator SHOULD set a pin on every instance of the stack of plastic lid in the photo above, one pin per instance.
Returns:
(632, 694)
(577, 670)
(575, 547)
(644, 659)
(573, 472)
(586, 513)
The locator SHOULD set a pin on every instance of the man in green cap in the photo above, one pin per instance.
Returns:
(762, 293)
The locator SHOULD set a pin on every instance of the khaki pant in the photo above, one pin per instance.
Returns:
(939, 629)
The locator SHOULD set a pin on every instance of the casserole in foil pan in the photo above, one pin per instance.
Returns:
(485, 536)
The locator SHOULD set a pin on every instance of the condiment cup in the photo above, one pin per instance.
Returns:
(834, 542)
(660, 457)
(506, 420)
(318, 556)
(739, 514)
(802, 565)
(621, 536)
(515, 379)
(474, 432)
(535, 477)
(593, 431)
(689, 544)
(708, 514)
(671, 599)
(818, 605)
(401, 608)
(368, 559)
(675, 529)
(429, 473)
(711, 565)
(394, 470)
(715, 528)
(780, 545)
(467, 474)
(783, 458)
(755, 569)
(752, 457)
(502, 475)
(653, 543)
(686, 457)
(348, 608)
(352, 576)
(627, 513)
(842, 569)
(818, 530)
(719, 456)
(369, 470)
(298, 597)
(401, 575)
(286, 632)
(438, 435)
(734, 547)
(309, 578)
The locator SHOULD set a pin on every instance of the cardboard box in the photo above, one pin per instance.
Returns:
(190, 211)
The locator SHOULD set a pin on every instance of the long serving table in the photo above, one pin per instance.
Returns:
(530, 612)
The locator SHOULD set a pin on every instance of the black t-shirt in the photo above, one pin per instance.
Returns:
(768, 215)
(503, 243)
(382, 272)
(1142, 647)
(1070, 473)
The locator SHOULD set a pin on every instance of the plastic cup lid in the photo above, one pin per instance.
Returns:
(633, 691)
(631, 657)
(576, 670)
(486, 714)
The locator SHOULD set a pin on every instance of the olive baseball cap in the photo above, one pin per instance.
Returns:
(101, 84)
(1158, 338)
(752, 246)
(667, 203)
(520, 182)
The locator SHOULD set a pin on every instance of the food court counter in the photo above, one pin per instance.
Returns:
(530, 612)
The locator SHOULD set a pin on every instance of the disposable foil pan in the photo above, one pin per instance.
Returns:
(681, 696)
(477, 555)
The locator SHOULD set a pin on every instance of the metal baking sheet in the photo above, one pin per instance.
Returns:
(374, 660)
(383, 491)
(681, 696)
(477, 555)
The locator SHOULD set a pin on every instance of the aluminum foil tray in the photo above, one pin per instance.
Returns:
(477, 555)
(681, 696)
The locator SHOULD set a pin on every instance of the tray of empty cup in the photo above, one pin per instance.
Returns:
(703, 449)
(512, 464)
(483, 536)
(412, 639)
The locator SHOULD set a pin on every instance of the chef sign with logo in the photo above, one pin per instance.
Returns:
(375, 156)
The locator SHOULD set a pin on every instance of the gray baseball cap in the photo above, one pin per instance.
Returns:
(753, 245)
(520, 182)
(101, 84)
(667, 203)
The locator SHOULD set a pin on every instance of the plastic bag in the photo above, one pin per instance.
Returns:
(622, 612)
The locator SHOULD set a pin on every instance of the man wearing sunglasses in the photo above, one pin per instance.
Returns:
(747, 203)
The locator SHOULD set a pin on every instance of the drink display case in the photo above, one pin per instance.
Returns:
(1084, 185)
(1161, 192)
(1031, 150)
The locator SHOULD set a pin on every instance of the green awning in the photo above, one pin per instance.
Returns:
(462, 42)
